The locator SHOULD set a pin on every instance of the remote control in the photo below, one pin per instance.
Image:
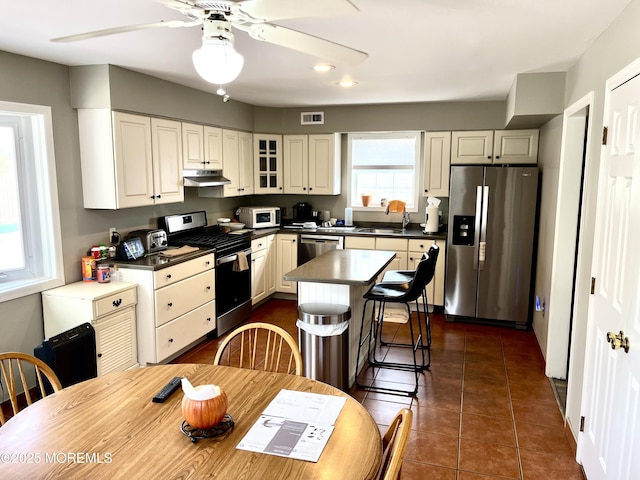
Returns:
(167, 390)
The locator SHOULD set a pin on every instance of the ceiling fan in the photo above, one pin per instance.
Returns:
(217, 61)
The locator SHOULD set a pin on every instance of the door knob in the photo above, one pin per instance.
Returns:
(618, 341)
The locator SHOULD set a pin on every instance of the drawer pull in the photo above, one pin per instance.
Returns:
(208, 287)
(168, 276)
(207, 262)
(117, 303)
(171, 340)
(208, 319)
(170, 304)
(99, 355)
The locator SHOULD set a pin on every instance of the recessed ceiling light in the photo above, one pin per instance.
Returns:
(347, 83)
(323, 67)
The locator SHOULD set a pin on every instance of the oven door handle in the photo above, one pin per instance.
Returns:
(231, 258)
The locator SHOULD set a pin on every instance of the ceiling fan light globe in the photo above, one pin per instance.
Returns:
(217, 62)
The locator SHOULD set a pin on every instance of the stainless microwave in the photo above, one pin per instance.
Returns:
(259, 217)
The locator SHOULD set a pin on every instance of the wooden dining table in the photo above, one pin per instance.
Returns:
(108, 428)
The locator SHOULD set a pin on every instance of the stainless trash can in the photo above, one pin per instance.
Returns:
(323, 336)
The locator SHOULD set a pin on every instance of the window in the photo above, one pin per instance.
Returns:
(383, 166)
(30, 243)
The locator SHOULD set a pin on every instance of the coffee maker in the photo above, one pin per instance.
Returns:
(302, 212)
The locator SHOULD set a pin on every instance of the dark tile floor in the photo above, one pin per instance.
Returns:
(484, 411)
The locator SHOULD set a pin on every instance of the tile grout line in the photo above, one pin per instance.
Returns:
(464, 367)
(513, 417)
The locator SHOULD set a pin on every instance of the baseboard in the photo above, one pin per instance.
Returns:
(568, 433)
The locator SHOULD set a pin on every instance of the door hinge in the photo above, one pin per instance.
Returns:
(605, 131)
(593, 285)
(582, 424)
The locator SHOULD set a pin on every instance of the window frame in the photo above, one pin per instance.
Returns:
(38, 192)
(416, 134)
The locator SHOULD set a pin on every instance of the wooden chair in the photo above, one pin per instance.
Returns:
(260, 346)
(7, 362)
(394, 444)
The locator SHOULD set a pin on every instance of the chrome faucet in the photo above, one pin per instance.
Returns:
(405, 216)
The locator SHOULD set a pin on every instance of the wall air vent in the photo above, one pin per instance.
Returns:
(312, 118)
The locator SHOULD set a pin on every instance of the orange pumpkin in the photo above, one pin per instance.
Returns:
(205, 414)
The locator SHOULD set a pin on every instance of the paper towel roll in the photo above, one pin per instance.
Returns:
(432, 224)
(348, 216)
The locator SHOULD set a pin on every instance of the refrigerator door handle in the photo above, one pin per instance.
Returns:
(476, 237)
(483, 228)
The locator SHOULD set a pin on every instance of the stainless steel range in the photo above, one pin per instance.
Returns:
(233, 276)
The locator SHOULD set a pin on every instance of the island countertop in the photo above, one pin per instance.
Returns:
(348, 267)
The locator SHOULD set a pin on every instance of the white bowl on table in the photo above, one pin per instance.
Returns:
(234, 225)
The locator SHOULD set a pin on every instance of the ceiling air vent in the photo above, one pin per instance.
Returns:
(312, 118)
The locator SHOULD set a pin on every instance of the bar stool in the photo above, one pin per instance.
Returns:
(403, 277)
(381, 294)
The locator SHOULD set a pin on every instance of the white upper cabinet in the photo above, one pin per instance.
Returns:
(267, 157)
(213, 148)
(515, 146)
(166, 142)
(129, 160)
(192, 146)
(296, 163)
(472, 147)
(237, 164)
(324, 164)
(499, 147)
(437, 159)
(202, 147)
(311, 164)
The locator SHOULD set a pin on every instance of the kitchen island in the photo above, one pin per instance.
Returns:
(342, 277)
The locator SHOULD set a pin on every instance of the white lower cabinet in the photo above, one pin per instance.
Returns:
(408, 254)
(108, 307)
(263, 268)
(435, 289)
(176, 307)
(287, 260)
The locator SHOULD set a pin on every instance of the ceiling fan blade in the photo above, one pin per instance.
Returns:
(128, 28)
(305, 43)
(268, 10)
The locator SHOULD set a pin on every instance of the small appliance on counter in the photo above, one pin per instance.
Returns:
(153, 240)
(302, 212)
(259, 217)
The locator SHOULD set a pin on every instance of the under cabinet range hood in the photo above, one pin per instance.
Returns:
(204, 178)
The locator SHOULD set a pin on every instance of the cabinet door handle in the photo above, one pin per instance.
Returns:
(208, 287)
(99, 355)
(489, 157)
(158, 196)
(208, 319)
(171, 340)
(497, 157)
(170, 304)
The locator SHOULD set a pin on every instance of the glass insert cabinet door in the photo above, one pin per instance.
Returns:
(268, 163)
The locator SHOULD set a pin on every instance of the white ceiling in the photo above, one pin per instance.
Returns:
(419, 50)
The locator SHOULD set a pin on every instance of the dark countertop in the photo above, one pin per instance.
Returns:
(155, 261)
(347, 267)
(412, 231)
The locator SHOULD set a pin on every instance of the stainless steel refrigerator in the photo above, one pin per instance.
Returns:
(492, 221)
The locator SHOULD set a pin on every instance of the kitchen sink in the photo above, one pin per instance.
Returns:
(379, 230)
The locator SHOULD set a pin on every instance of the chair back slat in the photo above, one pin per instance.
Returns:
(265, 346)
(11, 378)
(394, 444)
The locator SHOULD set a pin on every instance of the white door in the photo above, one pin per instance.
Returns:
(610, 442)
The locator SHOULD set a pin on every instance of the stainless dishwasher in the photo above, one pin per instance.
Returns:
(311, 246)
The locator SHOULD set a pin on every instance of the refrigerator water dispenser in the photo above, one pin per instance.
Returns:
(463, 230)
